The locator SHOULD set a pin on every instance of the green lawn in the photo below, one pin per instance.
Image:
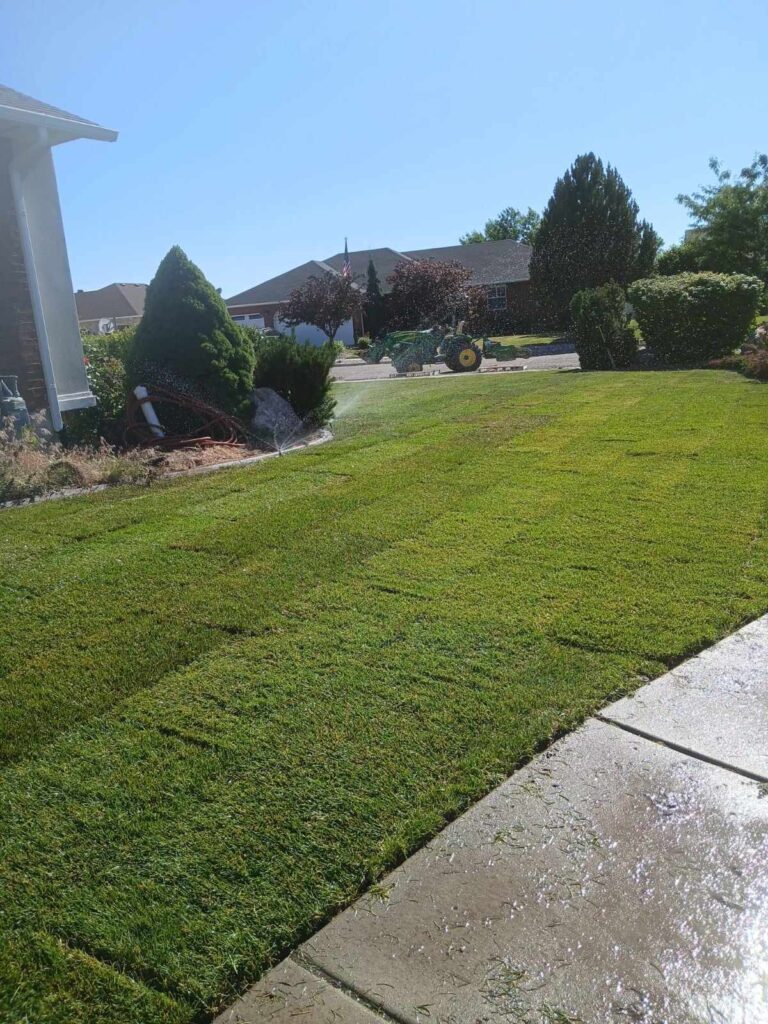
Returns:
(521, 340)
(228, 703)
(510, 343)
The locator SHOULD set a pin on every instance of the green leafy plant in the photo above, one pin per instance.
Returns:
(604, 338)
(300, 373)
(751, 364)
(689, 319)
(187, 330)
(731, 220)
(510, 223)
(105, 358)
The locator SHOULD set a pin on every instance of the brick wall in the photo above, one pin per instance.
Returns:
(19, 353)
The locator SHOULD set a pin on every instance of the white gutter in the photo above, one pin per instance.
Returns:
(17, 184)
(247, 305)
(69, 127)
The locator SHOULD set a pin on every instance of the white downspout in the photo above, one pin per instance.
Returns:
(19, 164)
(149, 411)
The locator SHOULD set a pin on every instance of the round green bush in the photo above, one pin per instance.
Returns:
(689, 319)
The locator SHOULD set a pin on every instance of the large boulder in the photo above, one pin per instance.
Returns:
(274, 420)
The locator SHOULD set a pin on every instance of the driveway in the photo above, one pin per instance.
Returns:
(356, 369)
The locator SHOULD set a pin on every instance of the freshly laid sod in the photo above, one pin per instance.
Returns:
(228, 703)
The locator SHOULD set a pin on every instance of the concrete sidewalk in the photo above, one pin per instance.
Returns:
(621, 877)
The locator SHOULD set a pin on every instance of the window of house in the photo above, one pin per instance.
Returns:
(497, 297)
(239, 319)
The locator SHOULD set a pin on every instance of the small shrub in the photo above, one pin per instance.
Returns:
(300, 373)
(604, 338)
(689, 319)
(751, 364)
(756, 365)
(105, 364)
(363, 342)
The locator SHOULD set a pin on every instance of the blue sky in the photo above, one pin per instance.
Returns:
(258, 134)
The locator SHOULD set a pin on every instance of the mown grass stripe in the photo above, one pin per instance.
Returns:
(467, 572)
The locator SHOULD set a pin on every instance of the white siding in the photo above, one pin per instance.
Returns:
(309, 334)
(50, 282)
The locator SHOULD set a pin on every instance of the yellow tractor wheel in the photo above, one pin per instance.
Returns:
(464, 357)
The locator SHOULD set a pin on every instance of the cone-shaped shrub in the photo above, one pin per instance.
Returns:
(187, 330)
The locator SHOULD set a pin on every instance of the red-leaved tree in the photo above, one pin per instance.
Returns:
(425, 293)
(326, 302)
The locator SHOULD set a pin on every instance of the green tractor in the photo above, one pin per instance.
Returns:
(411, 350)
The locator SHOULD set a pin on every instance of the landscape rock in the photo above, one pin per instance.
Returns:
(274, 420)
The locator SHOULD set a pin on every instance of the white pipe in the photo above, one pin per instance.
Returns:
(149, 411)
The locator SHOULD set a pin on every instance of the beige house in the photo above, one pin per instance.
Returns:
(106, 309)
(39, 333)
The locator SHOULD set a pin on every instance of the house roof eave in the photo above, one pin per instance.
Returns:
(62, 129)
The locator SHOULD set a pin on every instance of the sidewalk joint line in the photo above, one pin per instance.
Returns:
(680, 749)
(305, 961)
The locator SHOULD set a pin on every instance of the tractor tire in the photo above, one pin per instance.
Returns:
(464, 357)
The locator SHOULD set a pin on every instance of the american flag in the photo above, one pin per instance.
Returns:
(346, 267)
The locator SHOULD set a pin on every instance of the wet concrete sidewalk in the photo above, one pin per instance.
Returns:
(621, 877)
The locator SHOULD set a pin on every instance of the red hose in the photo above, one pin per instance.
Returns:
(216, 428)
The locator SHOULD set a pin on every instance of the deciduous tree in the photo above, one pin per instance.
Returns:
(731, 216)
(510, 223)
(326, 302)
(427, 292)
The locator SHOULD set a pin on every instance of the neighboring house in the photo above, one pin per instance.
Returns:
(110, 307)
(500, 267)
(39, 333)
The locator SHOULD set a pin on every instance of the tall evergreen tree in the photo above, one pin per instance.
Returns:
(589, 235)
(648, 244)
(187, 329)
(373, 307)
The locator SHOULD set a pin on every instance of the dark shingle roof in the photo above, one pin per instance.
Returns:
(385, 261)
(490, 262)
(16, 106)
(277, 289)
(110, 301)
